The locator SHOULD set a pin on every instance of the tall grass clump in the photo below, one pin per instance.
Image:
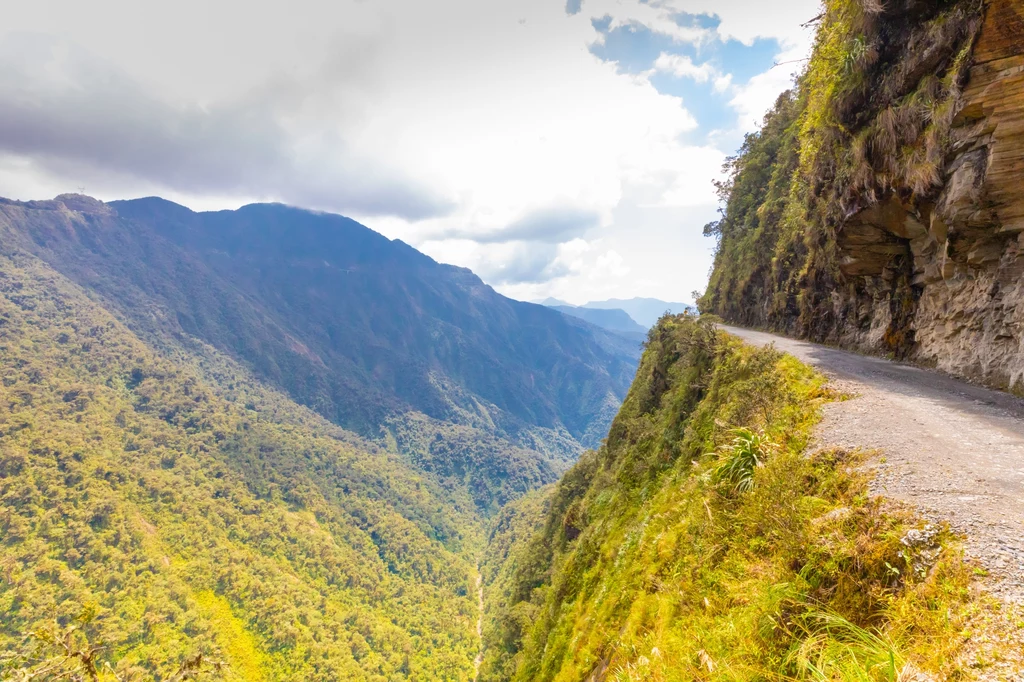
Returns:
(741, 457)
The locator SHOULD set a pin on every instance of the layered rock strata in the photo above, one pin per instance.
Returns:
(947, 275)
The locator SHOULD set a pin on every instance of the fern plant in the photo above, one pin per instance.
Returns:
(741, 457)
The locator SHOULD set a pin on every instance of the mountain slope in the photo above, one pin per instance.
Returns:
(703, 541)
(368, 332)
(192, 510)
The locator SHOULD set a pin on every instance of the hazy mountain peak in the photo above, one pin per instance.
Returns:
(612, 319)
(646, 311)
(552, 302)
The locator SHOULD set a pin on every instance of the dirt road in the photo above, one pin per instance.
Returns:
(954, 450)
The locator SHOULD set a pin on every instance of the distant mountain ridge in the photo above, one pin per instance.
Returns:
(488, 392)
(646, 311)
(630, 316)
(553, 302)
(612, 319)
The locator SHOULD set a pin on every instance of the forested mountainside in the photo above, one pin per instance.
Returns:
(182, 508)
(492, 394)
(879, 206)
(704, 541)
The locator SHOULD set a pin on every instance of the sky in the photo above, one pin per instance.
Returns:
(556, 148)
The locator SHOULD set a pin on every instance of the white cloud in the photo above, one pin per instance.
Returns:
(495, 109)
(611, 264)
(753, 99)
(656, 16)
(742, 20)
(515, 265)
(739, 20)
(682, 66)
(746, 21)
(723, 83)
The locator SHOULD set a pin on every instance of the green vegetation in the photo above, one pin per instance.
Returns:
(493, 471)
(168, 516)
(56, 652)
(199, 516)
(704, 541)
(424, 359)
(741, 457)
(179, 498)
(173, 461)
(506, 557)
(867, 123)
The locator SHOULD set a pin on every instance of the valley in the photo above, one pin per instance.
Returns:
(270, 443)
(169, 497)
(217, 446)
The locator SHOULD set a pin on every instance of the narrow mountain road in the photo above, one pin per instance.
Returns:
(953, 450)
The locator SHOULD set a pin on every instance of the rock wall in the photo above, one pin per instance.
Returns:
(970, 319)
(948, 273)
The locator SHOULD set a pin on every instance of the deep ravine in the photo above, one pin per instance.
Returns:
(479, 623)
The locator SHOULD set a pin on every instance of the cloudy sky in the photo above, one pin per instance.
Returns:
(557, 149)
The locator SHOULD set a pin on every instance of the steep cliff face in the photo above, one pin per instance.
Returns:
(880, 207)
(970, 318)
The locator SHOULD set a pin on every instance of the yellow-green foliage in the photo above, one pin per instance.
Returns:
(882, 87)
(214, 519)
(761, 252)
(242, 651)
(503, 561)
(651, 566)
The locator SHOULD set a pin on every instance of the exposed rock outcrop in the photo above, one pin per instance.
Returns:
(901, 229)
(971, 321)
(964, 253)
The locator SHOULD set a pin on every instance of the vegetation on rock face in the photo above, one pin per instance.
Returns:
(650, 562)
(867, 128)
(197, 513)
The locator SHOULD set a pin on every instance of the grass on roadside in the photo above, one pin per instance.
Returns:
(706, 540)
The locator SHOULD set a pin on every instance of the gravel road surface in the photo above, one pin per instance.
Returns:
(953, 450)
